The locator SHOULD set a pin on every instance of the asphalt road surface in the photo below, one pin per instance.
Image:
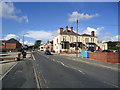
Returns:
(55, 71)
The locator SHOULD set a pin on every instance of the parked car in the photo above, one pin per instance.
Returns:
(106, 51)
(97, 51)
(47, 52)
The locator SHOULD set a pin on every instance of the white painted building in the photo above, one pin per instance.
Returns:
(67, 39)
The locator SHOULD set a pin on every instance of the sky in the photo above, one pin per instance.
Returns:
(42, 20)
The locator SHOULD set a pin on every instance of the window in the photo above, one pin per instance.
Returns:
(64, 38)
(65, 45)
(70, 39)
(86, 39)
(57, 40)
(93, 40)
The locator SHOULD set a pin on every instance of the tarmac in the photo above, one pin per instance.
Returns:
(113, 66)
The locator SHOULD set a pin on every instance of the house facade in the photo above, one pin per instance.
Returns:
(47, 46)
(67, 40)
(10, 45)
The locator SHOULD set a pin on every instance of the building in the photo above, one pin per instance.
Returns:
(47, 46)
(10, 45)
(67, 40)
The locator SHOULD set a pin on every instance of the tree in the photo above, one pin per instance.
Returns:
(37, 43)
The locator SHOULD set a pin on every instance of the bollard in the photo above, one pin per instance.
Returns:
(18, 58)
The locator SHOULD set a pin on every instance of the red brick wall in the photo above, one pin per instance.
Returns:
(18, 45)
(113, 57)
(11, 45)
(106, 57)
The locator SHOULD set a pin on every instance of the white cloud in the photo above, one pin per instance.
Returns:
(9, 36)
(102, 36)
(42, 35)
(97, 30)
(26, 42)
(80, 16)
(9, 11)
(109, 37)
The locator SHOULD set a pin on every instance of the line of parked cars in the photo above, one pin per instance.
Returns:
(107, 51)
(47, 52)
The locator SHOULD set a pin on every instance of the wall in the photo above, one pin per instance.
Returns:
(11, 45)
(106, 57)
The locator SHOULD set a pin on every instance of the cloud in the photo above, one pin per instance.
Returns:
(9, 36)
(102, 36)
(80, 16)
(97, 30)
(109, 37)
(26, 42)
(42, 35)
(9, 11)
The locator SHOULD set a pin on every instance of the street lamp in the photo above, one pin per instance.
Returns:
(23, 38)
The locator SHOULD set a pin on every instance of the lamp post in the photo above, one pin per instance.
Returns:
(77, 39)
(23, 38)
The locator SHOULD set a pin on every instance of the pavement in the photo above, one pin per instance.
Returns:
(21, 76)
(113, 66)
(7, 65)
(18, 74)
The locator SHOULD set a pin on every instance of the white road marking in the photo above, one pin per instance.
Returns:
(33, 57)
(81, 71)
(67, 66)
(8, 71)
(53, 59)
(36, 79)
(110, 84)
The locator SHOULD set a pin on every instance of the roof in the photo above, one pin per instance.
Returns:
(69, 33)
(3, 41)
(73, 33)
(12, 40)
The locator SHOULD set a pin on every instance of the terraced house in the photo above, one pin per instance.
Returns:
(67, 40)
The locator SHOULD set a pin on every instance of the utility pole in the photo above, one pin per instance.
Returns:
(23, 40)
(77, 39)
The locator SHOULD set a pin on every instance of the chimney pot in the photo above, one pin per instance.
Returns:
(71, 29)
(61, 30)
(66, 28)
(92, 33)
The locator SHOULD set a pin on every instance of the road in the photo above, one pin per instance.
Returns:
(55, 71)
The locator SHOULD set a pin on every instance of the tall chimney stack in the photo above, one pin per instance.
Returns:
(92, 33)
(71, 29)
(61, 30)
(66, 28)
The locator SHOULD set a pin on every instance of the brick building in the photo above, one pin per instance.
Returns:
(10, 45)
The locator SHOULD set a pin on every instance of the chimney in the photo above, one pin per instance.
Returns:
(92, 33)
(61, 30)
(66, 28)
(71, 29)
